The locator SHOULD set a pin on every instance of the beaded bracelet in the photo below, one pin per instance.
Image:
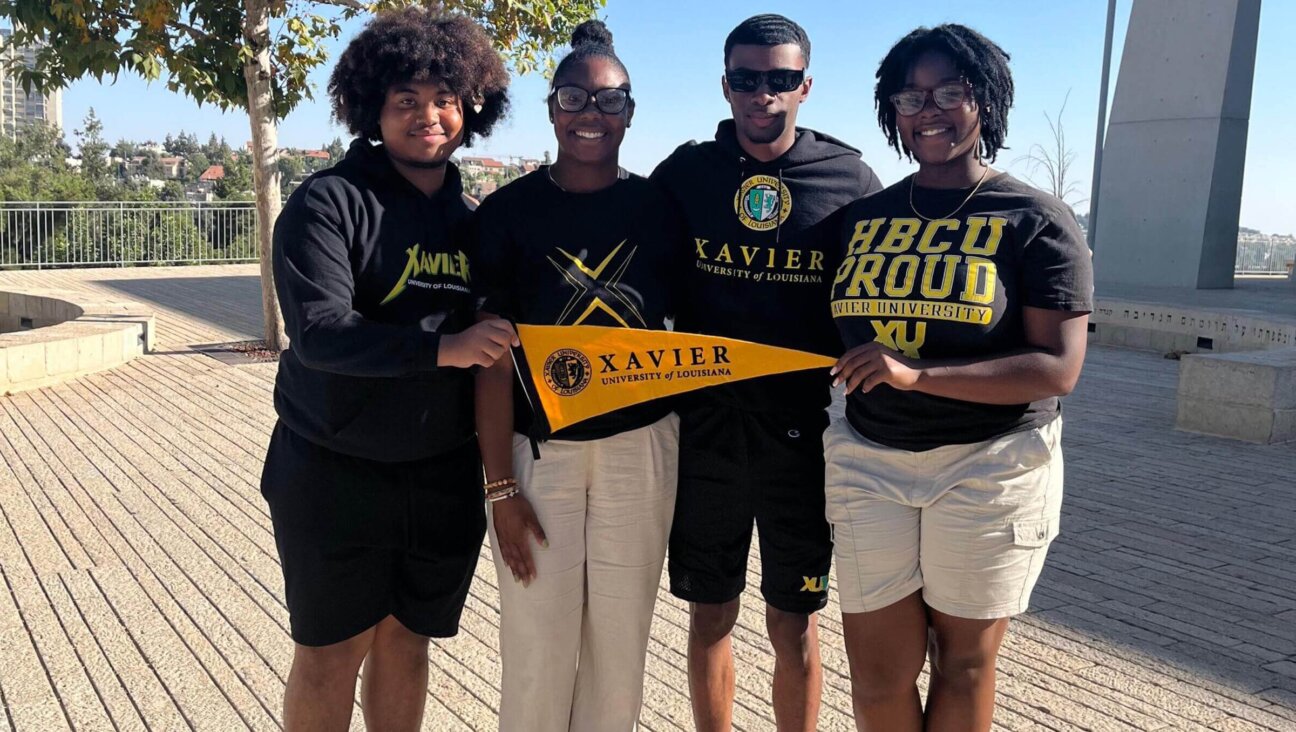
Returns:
(495, 485)
(501, 494)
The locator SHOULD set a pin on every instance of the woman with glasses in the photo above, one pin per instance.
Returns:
(578, 522)
(963, 300)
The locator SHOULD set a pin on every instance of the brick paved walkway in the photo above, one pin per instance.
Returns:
(139, 585)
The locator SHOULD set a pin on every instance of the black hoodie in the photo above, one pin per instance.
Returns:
(370, 272)
(764, 251)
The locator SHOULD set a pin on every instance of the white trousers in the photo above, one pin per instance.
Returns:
(573, 643)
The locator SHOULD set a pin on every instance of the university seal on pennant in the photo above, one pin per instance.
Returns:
(567, 372)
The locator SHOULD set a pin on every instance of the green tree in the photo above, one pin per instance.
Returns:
(224, 53)
(172, 191)
(33, 167)
(151, 166)
(182, 145)
(213, 149)
(93, 149)
(336, 150)
(125, 149)
(194, 166)
(290, 167)
(290, 171)
(237, 183)
(224, 153)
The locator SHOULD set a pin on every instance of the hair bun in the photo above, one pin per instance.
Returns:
(591, 33)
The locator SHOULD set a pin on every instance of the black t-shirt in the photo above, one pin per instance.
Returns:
(549, 257)
(953, 288)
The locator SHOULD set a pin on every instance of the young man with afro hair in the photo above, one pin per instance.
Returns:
(372, 475)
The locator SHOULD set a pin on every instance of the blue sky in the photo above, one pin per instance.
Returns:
(673, 50)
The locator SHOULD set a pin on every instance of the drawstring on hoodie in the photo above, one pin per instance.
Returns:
(778, 228)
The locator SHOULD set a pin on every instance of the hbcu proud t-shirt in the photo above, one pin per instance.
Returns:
(953, 288)
(607, 258)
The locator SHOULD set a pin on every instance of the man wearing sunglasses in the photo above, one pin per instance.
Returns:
(759, 203)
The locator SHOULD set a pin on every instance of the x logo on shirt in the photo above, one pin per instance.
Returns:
(597, 294)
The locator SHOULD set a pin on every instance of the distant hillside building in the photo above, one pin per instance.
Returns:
(482, 165)
(172, 166)
(17, 107)
(212, 174)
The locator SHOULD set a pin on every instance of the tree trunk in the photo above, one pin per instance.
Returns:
(265, 159)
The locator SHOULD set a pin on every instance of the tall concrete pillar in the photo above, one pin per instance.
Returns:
(1171, 183)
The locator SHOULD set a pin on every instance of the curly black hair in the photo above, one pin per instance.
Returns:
(590, 39)
(769, 29)
(983, 64)
(416, 45)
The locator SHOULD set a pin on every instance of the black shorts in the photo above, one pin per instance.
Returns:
(736, 467)
(360, 540)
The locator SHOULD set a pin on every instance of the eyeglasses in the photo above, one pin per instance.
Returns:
(746, 81)
(947, 96)
(575, 99)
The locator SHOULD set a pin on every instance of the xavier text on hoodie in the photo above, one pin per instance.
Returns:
(371, 273)
(764, 251)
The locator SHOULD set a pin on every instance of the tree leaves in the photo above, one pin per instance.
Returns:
(199, 48)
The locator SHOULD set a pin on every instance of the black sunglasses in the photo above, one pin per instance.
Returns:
(574, 99)
(779, 80)
(947, 96)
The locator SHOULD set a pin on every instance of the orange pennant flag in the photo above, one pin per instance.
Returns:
(582, 371)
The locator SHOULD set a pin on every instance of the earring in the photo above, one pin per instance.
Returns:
(477, 108)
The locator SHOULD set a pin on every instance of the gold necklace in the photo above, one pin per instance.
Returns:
(549, 171)
(975, 188)
(622, 174)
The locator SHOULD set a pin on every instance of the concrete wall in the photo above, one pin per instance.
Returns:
(1173, 159)
(75, 334)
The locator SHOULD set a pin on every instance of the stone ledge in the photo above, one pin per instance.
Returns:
(1249, 396)
(66, 335)
(1237, 373)
(1163, 327)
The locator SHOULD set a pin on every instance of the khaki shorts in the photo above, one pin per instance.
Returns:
(968, 524)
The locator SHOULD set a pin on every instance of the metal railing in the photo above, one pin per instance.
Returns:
(1264, 254)
(40, 234)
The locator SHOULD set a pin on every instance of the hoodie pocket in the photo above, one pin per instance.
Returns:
(350, 403)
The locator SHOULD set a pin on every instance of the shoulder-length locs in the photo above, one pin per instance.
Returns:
(983, 64)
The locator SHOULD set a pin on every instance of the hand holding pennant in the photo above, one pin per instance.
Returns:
(581, 371)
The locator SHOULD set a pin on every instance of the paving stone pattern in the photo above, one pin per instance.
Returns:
(140, 588)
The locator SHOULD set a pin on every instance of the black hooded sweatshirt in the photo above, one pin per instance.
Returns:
(370, 272)
(764, 247)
